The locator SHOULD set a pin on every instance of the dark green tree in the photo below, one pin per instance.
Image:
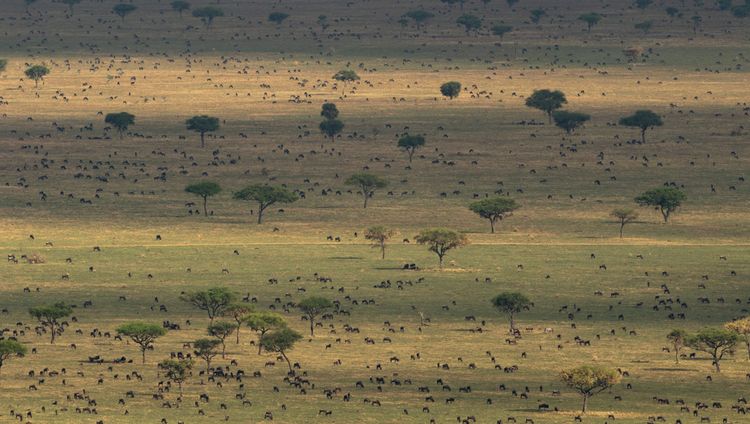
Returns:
(207, 14)
(263, 322)
(313, 306)
(121, 121)
(281, 341)
(469, 22)
(37, 73)
(588, 381)
(672, 11)
(569, 121)
(206, 350)
(204, 189)
(678, 339)
(536, 15)
(717, 342)
(547, 101)
(591, 19)
(511, 304)
(494, 209)
(50, 316)
(665, 199)
(644, 26)
(331, 128)
(180, 6)
(346, 75)
(265, 196)
(410, 144)
(329, 111)
(642, 4)
(143, 334)
(239, 313)
(277, 17)
(451, 89)
(10, 348)
(222, 330)
(176, 371)
(379, 235)
(501, 30)
(203, 124)
(214, 301)
(124, 9)
(440, 241)
(419, 16)
(367, 183)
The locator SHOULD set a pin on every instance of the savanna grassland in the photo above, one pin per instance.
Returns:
(70, 183)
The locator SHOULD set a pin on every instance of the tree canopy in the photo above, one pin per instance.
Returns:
(546, 100)
(202, 124)
(494, 209)
(379, 235)
(329, 111)
(367, 183)
(10, 348)
(742, 328)
(569, 121)
(281, 341)
(678, 339)
(214, 300)
(37, 73)
(143, 334)
(313, 306)
(500, 30)
(418, 16)
(588, 380)
(591, 19)
(204, 189)
(346, 75)
(206, 350)
(511, 304)
(624, 216)
(263, 322)
(643, 119)
(180, 6)
(441, 240)
(221, 330)
(410, 144)
(266, 196)
(665, 199)
(717, 342)
(176, 370)
(331, 127)
(49, 316)
(451, 89)
(278, 17)
(121, 121)
(124, 9)
(207, 14)
(469, 22)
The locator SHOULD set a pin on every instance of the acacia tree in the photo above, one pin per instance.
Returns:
(265, 196)
(124, 9)
(624, 216)
(418, 16)
(214, 300)
(121, 121)
(346, 76)
(50, 316)
(451, 89)
(281, 341)
(494, 209)
(176, 371)
(379, 235)
(278, 17)
(204, 189)
(511, 304)
(239, 313)
(313, 306)
(677, 338)
(589, 381)
(469, 22)
(569, 121)
(208, 14)
(331, 128)
(410, 144)
(591, 19)
(715, 341)
(206, 350)
(71, 4)
(367, 183)
(441, 241)
(203, 124)
(742, 328)
(222, 330)
(10, 348)
(500, 30)
(643, 119)
(143, 334)
(329, 111)
(547, 101)
(665, 199)
(37, 73)
(180, 6)
(262, 323)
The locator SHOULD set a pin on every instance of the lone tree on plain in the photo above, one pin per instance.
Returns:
(37, 73)
(379, 235)
(222, 330)
(367, 183)
(547, 101)
(410, 144)
(203, 124)
(124, 9)
(329, 111)
(591, 19)
(313, 306)
(10, 349)
(265, 196)
(176, 371)
(643, 119)
(536, 15)
(500, 30)
(742, 328)
(208, 14)
(495, 209)
(121, 121)
(418, 16)
(281, 341)
(262, 323)
(180, 6)
(214, 301)
(469, 22)
(206, 350)
(278, 17)
(50, 316)
(204, 189)
(346, 76)
(441, 241)
(677, 338)
(451, 89)
(511, 304)
(331, 128)
(71, 4)
(589, 381)
(624, 216)
(239, 313)
(569, 121)
(716, 342)
(143, 334)
(665, 199)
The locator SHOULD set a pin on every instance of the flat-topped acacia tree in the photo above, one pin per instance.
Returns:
(214, 300)
(281, 341)
(37, 73)
(180, 6)
(588, 381)
(121, 121)
(665, 199)
(124, 9)
(494, 209)
(266, 196)
(207, 14)
(262, 323)
(511, 304)
(367, 183)
(204, 189)
(410, 144)
(143, 334)
(440, 241)
(203, 124)
(642, 119)
(313, 306)
(547, 101)
(50, 316)
(10, 348)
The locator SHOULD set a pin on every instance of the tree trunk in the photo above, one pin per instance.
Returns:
(238, 333)
(53, 334)
(440, 260)
(622, 225)
(665, 214)
(585, 402)
(677, 356)
(223, 349)
(492, 226)
(643, 135)
(203, 141)
(143, 355)
(312, 326)
(205, 208)
(411, 153)
(512, 324)
(288, 362)
(261, 208)
(382, 251)
(366, 196)
(747, 343)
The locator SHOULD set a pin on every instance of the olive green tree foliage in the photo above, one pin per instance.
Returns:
(418, 16)
(331, 128)
(665, 199)
(281, 341)
(624, 217)
(206, 349)
(677, 338)
(263, 322)
(203, 124)
(717, 342)
(207, 14)
(440, 241)
(10, 348)
(124, 9)
(176, 371)
(569, 121)
(451, 89)
(591, 19)
(277, 17)
(50, 315)
(120, 121)
(589, 381)
(367, 183)
(204, 189)
(180, 6)
(547, 101)
(642, 119)
(214, 301)
(265, 196)
(222, 330)
(379, 235)
(494, 209)
(742, 328)
(469, 22)
(511, 304)
(329, 111)
(410, 144)
(312, 307)
(500, 30)
(37, 73)
(143, 334)
(238, 312)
